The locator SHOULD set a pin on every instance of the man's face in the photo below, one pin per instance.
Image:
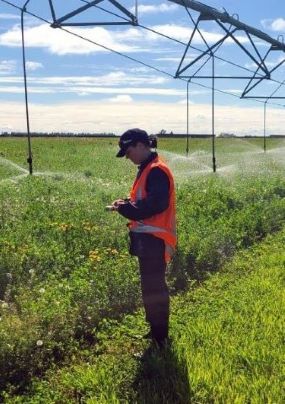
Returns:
(136, 153)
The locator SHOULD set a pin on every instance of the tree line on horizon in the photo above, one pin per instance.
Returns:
(161, 134)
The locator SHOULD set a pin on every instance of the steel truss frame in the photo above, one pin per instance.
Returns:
(207, 13)
(211, 14)
(63, 21)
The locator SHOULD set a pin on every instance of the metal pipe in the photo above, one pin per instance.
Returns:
(136, 10)
(264, 126)
(88, 24)
(217, 77)
(213, 114)
(52, 10)
(30, 157)
(187, 138)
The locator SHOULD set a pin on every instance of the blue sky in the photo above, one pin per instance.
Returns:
(77, 86)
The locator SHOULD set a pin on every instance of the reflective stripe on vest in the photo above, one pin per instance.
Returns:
(169, 250)
(146, 228)
(139, 194)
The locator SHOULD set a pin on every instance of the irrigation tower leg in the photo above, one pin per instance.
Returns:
(30, 158)
(213, 113)
(187, 139)
(264, 126)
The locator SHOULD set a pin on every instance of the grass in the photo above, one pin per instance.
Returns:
(65, 274)
(227, 345)
(66, 155)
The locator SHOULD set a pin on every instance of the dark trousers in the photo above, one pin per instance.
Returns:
(155, 295)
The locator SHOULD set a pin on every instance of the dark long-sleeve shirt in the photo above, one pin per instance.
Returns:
(157, 200)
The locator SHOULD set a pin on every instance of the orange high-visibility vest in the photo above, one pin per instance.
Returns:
(161, 225)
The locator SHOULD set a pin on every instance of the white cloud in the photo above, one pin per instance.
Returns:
(6, 16)
(32, 66)
(121, 99)
(278, 24)
(151, 9)
(6, 128)
(266, 23)
(84, 90)
(33, 90)
(11, 79)
(7, 66)
(175, 59)
(139, 69)
(131, 35)
(126, 41)
(275, 25)
(153, 116)
(184, 102)
(82, 94)
(269, 63)
(118, 78)
(233, 91)
(61, 43)
(183, 33)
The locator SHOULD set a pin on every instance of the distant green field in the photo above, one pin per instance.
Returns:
(95, 157)
(65, 270)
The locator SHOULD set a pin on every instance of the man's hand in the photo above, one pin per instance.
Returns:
(117, 203)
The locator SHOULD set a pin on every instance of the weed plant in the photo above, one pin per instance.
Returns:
(64, 262)
(226, 345)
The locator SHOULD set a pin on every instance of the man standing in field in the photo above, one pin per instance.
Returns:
(152, 226)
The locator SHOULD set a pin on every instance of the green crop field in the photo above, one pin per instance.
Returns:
(70, 304)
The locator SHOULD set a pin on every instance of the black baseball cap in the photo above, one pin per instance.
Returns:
(130, 138)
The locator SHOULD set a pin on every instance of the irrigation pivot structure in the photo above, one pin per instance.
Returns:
(229, 25)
